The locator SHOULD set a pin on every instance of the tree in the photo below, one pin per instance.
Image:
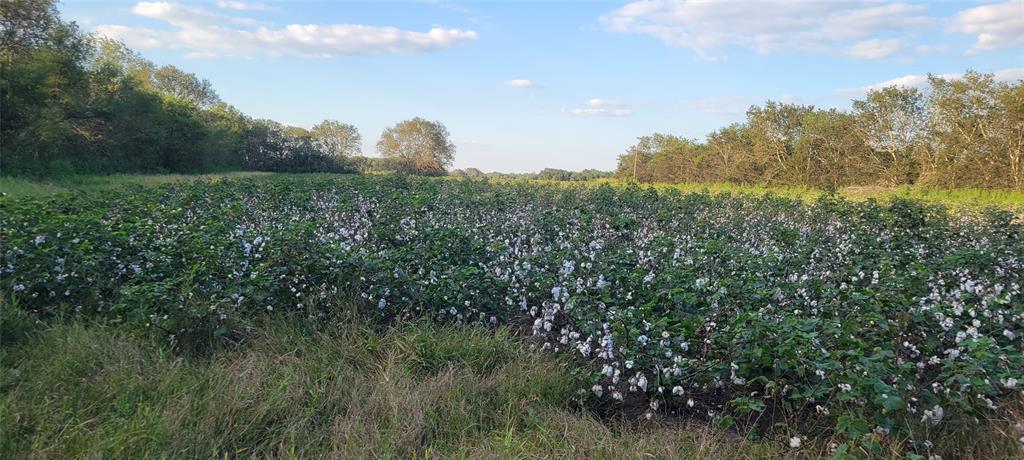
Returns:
(227, 140)
(420, 146)
(590, 174)
(660, 158)
(730, 155)
(829, 149)
(554, 174)
(892, 122)
(43, 85)
(27, 23)
(964, 115)
(336, 139)
(1010, 132)
(265, 144)
(172, 81)
(774, 132)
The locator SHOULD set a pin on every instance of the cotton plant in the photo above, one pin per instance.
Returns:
(900, 316)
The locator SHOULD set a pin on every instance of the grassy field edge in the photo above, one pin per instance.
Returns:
(963, 197)
(79, 389)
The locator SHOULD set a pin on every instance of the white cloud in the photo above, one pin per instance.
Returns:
(875, 48)
(204, 34)
(601, 108)
(1009, 75)
(921, 81)
(996, 26)
(241, 6)
(596, 102)
(521, 83)
(768, 26)
(175, 14)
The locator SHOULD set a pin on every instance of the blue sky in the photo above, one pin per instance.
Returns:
(527, 85)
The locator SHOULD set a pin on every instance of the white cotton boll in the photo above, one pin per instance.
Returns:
(598, 390)
(678, 390)
(794, 442)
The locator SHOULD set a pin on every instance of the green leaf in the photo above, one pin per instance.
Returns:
(851, 427)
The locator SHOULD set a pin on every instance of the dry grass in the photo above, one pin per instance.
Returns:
(345, 391)
(73, 391)
(22, 187)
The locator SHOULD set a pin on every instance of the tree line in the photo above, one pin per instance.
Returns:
(554, 174)
(962, 132)
(73, 103)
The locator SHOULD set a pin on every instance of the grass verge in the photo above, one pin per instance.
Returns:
(89, 390)
(26, 187)
(957, 198)
(961, 198)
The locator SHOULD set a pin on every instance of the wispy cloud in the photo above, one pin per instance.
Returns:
(921, 81)
(201, 33)
(601, 108)
(875, 48)
(866, 29)
(521, 83)
(242, 6)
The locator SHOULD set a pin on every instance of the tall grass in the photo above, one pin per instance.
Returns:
(89, 390)
(960, 197)
(1013, 199)
(20, 186)
(344, 390)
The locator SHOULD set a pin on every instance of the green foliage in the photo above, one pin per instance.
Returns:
(271, 146)
(417, 146)
(960, 133)
(905, 316)
(80, 104)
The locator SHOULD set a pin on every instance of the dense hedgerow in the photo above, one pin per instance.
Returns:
(857, 319)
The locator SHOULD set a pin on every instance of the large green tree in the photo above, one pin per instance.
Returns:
(43, 85)
(419, 146)
(337, 139)
(892, 122)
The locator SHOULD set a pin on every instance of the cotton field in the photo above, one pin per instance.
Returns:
(849, 319)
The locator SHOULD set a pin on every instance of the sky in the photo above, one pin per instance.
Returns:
(526, 85)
